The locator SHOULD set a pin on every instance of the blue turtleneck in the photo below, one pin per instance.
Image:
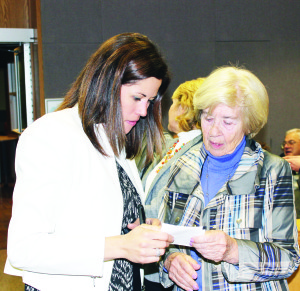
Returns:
(218, 170)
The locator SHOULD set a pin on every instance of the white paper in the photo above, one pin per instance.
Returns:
(182, 234)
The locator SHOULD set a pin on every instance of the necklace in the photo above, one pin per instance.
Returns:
(170, 153)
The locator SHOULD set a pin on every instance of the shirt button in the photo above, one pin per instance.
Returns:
(177, 219)
(239, 221)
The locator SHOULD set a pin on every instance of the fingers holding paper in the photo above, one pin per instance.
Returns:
(146, 244)
(182, 270)
(217, 246)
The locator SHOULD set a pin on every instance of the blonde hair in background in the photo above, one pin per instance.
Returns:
(184, 95)
(235, 86)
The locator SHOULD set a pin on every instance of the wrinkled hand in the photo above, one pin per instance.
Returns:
(140, 244)
(217, 246)
(182, 270)
(294, 161)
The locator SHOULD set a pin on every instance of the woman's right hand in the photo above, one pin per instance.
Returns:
(144, 244)
(182, 270)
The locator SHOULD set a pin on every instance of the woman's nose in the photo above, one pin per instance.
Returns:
(142, 109)
(214, 130)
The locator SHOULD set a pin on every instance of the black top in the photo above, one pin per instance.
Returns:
(125, 274)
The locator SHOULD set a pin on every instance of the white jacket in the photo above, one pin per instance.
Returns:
(66, 200)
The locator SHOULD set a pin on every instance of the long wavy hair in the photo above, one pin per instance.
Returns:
(123, 59)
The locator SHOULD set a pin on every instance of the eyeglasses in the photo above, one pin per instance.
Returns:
(290, 143)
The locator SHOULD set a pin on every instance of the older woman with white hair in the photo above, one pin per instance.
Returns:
(241, 194)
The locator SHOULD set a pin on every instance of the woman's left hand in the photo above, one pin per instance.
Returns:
(217, 246)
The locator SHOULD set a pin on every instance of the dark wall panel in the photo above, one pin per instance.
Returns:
(285, 20)
(284, 90)
(242, 20)
(162, 20)
(62, 66)
(195, 37)
(252, 55)
(71, 21)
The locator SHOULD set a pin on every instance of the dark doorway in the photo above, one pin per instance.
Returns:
(8, 138)
(6, 57)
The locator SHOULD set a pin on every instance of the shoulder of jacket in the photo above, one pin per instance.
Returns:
(273, 161)
(60, 125)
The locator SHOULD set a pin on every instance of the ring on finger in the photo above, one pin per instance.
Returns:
(157, 252)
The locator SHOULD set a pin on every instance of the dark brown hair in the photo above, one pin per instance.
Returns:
(123, 59)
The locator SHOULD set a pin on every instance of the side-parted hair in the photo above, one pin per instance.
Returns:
(184, 95)
(123, 59)
(234, 86)
(293, 130)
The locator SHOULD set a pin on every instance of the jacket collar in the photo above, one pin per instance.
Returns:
(244, 181)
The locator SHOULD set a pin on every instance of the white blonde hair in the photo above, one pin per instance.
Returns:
(233, 87)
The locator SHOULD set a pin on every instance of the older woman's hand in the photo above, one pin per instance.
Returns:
(217, 246)
(181, 269)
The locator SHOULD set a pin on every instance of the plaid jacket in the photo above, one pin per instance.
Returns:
(256, 207)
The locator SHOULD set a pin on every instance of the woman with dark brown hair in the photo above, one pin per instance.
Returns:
(75, 215)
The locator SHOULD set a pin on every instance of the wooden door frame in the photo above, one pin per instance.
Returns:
(27, 14)
(41, 110)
